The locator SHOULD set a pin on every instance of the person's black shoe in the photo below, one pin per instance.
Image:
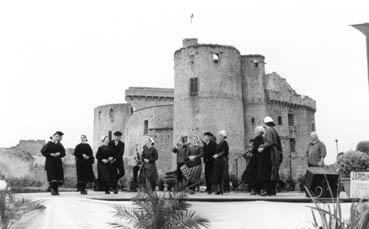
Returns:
(219, 193)
(107, 192)
(84, 192)
(54, 193)
(116, 192)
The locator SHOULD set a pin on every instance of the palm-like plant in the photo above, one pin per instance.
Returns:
(330, 214)
(12, 209)
(153, 211)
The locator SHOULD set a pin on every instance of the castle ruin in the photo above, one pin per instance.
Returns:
(215, 88)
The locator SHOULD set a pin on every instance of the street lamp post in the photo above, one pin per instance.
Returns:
(336, 145)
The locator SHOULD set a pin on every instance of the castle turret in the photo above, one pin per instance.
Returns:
(208, 95)
(187, 42)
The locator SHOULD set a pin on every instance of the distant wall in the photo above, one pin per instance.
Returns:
(31, 146)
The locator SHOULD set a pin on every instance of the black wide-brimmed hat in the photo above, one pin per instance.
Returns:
(209, 134)
(118, 133)
(59, 133)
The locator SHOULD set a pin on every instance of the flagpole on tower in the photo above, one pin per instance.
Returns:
(192, 26)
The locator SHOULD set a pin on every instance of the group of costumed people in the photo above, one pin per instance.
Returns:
(109, 157)
(110, 166)
(264, 158)
(261, 174)
(214, 151)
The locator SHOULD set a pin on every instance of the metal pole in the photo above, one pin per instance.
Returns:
(236, 160)
(336, 145)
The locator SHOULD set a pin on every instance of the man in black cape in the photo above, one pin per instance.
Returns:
(54, 152)
(117, 146)
(210, 147)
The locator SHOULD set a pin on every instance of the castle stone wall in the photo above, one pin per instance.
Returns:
(108, 119)
(142, 97)
(160, 127)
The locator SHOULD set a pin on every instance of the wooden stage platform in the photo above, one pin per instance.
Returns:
(289, 197)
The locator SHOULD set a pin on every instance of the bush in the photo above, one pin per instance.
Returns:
(352, 161)
(363, 146)
(20, 182)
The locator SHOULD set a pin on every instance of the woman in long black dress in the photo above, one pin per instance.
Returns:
(84, 162)
(105, 168)
(253, 165)
(149, 173)
(54, 152)
(221, 163)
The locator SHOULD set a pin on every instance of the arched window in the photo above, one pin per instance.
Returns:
(111, 115)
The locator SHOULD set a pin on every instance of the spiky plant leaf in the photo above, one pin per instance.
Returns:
(154, 211)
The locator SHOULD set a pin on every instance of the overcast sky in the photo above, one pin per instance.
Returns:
(60, 59)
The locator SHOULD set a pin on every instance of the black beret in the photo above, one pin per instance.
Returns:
(209, 134)
(59, 133)
(118, 133)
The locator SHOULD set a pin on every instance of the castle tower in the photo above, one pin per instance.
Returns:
(208, 93)
(253, 87)
(108, 119)
(364, 28)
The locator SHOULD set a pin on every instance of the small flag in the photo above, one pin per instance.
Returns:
(191, 18)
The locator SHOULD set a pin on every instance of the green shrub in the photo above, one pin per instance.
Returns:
(352, 161)
(19, 182)
(363, 146)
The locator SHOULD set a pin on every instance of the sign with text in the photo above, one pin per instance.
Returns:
(359, 185)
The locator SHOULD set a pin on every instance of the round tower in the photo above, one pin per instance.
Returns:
(208, 93)
(108, 119)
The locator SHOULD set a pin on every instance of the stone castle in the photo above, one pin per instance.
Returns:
(215, 88)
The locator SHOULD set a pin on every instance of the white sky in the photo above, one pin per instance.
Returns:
(60, 59)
